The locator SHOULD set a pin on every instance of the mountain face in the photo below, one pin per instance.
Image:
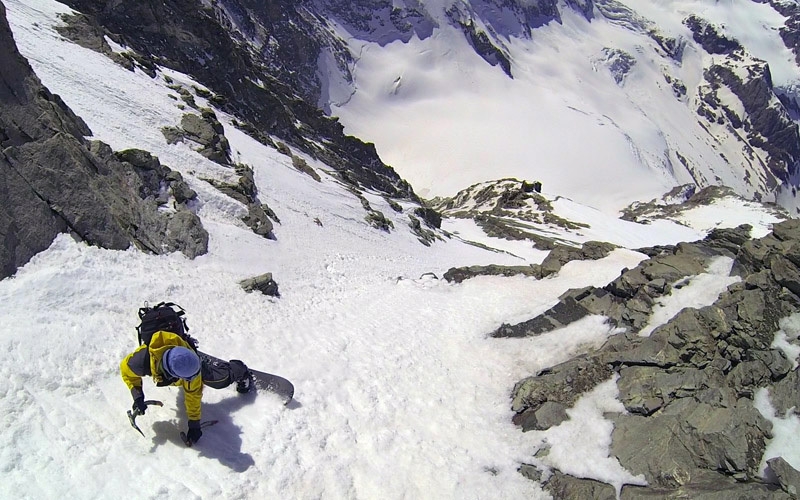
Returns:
(273, 64)
(267, 89)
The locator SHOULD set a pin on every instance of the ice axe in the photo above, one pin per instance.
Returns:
(132, 414)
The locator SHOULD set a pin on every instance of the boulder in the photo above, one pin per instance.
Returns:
(245, 191)
(786, 476)
(262, 283)
(687, 435)
(562, 486)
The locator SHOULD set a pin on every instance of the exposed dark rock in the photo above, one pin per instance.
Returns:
(787, 476)
(562, 254)
(562, 486)
(567, 311)
(626, 301)
(531, 472)
(730, 239)
(555, 260)
(262, 283)
(484, 46)
(431, 217)
(790, 32)
(379, 221)
(563, 384)
(180, 189)
(425, 236)
(504, 209)
(547, 415)
(583, 7)
(459, 274)
(303, 166)
(155, 177)
(687, 435)
(394, 205)
(204, 130)
(765, 123)
(691, 428)
(54, 181)
(274, 91)
(501, 228)
(619, 63)
(244, 191)
(709, 38)
(772, 129)
(702, 484)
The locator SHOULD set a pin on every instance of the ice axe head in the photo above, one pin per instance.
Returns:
(132, 414)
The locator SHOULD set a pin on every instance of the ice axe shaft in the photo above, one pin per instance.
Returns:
(132, 414)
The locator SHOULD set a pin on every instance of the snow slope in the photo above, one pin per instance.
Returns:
(399, 392)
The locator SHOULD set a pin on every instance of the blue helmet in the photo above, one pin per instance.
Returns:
(180, 362)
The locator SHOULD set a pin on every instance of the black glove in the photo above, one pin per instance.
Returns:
(138, 405)
(194, 431)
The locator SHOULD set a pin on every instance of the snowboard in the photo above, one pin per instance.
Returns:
(273, 383)
(263, 381)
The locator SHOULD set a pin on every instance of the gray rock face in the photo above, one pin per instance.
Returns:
(691, 427)
(53, 181)
(204, 130)
(562, 386)
(688, 435)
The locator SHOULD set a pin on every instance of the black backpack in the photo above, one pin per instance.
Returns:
(163, 317)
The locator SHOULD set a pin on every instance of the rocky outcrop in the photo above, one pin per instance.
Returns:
(54, 181)
(424, 235)
(691, 427)
(492, 51)
(158, 181)
(628, 300)
(790, 32)
(709, 38)
(765, 123)
(787, 476)
(685, 198)
(206, 131)
(509, 209)
(244, 191)
(555, 260)
(273, 87)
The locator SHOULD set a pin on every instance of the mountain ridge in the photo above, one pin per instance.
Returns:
(741, 137)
